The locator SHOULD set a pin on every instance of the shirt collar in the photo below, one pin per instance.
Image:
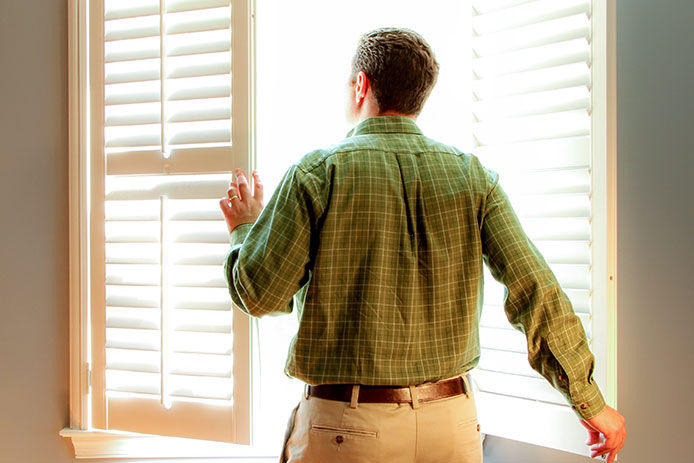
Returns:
(385, 124)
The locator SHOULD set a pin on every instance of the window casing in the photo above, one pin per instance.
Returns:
(603, 275)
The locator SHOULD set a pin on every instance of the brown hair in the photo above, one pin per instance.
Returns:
(401, 66)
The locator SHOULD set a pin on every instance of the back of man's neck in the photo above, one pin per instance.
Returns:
(386, 113)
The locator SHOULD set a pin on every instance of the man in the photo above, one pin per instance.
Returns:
(379, 243)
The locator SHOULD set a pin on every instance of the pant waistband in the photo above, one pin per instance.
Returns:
(425, 392)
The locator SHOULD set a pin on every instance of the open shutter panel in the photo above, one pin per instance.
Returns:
(196, 109)
(174, 347)
(531, 109)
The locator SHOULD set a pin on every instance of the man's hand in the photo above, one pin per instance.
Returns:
(240, 205)
(610, 424)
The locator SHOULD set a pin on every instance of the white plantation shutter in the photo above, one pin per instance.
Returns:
(170, 355)
(532, 120)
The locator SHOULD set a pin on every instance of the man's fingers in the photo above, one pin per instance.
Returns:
(257, 187)
(593, 438)
(224, 206)
(610, 446)
(242, 180)
(593, 434)
(242, 188)
(610, 453)
(598, 451)
(240, 206)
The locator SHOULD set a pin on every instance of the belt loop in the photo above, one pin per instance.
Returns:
(413, 396)
(355, 396)
(466, 384)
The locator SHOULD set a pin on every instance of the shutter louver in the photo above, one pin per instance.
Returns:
(169, 328)
(531, 124)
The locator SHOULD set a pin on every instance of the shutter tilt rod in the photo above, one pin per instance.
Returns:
(164, 303)
(162, 79)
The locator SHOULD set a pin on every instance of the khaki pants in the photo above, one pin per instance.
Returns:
(440, 431)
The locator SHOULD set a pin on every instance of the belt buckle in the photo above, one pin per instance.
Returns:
(306, 391)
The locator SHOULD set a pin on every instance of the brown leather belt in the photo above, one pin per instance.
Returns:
(426, 392)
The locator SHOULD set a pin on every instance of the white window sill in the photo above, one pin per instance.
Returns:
(100, 444)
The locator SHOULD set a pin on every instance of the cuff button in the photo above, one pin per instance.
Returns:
(583, 406)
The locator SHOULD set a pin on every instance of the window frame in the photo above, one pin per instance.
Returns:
(90, 443)
(604, 185)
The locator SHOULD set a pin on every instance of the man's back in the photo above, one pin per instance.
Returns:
(397, 260)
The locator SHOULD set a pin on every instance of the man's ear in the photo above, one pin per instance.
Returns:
(361, 87)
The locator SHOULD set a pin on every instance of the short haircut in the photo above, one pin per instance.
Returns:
(401, 67)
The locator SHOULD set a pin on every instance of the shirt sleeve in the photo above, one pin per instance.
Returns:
(269, 260)
(536, 305)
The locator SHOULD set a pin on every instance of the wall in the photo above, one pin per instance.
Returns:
(33, 249)
(655, 100)
(656, 226)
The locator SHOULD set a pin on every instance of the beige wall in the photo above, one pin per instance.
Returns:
(33, 244)
(655, 75)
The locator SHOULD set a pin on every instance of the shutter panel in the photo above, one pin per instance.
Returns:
(174, 356)
(531, 123)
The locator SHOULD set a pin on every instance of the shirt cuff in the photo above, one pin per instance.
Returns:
(238, 235)
(590, 402)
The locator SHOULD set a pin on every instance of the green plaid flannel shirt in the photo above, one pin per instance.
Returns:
(378, 243)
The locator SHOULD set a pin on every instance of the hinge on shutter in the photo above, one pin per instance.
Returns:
(89, 374)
